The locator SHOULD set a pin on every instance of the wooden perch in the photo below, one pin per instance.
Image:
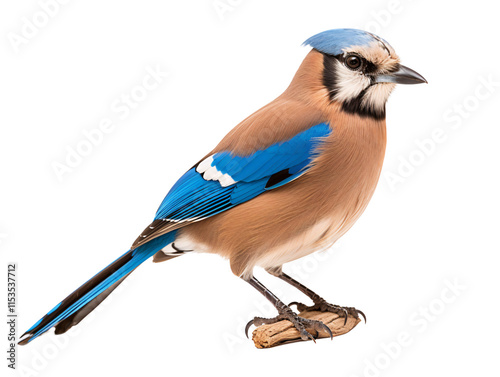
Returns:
(283, 332)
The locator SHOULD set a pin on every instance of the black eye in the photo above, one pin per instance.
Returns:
(353, 62)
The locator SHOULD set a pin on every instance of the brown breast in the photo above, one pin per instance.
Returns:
(334, 191)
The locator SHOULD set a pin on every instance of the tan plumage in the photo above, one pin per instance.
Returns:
(268, 230)
(343, 84)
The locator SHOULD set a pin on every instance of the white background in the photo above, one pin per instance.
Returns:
(436, 226)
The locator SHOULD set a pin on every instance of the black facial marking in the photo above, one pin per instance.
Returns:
(370, 67)
(352, 106)
(329, 75)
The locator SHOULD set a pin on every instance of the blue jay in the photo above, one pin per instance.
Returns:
(287, 181)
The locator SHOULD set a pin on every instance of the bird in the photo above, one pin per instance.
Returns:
(287, 181)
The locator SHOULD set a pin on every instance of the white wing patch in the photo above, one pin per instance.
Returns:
(211, 173)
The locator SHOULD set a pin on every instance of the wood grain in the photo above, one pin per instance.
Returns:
(283, 332)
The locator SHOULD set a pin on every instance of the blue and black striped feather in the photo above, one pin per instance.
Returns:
(82, 301)
(193, 198)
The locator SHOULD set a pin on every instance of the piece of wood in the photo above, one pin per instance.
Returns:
(283, 332)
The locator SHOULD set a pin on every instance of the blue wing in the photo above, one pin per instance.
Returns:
(223, 180)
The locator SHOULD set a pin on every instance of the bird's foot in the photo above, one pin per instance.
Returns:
(301, 324)
(323, 306)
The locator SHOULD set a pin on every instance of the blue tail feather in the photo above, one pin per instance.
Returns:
(101, 284)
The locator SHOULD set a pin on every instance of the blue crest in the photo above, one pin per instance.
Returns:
(334, 41)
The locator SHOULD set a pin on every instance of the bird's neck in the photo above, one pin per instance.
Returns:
(308, 88)
(307, 84)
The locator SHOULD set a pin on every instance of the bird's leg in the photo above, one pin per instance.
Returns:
(285, 313)
(320, 303)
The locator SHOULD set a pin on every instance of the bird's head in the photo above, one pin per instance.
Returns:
(360, 70)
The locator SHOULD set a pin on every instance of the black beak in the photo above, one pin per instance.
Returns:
(403, 75)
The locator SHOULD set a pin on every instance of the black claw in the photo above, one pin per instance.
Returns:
(346, 314)
(307, 335)
(324, 328)
(328, 331)
(250, 323)
(362, 314)
(319, 326)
